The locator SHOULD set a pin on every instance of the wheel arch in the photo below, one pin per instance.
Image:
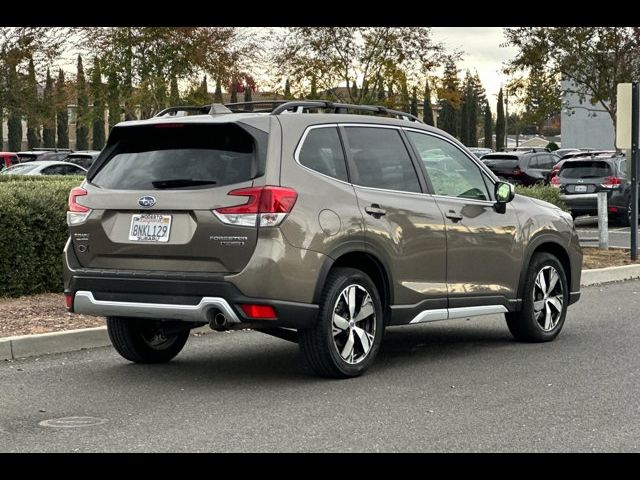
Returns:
(550, 244)
(355, 256)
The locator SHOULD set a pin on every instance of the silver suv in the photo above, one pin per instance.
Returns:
(309, 223)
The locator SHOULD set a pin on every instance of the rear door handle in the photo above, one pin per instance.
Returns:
(375, 210)
(456, 217)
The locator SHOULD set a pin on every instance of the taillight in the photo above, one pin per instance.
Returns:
(555, 182)
(611, 182)
(266, 207)
(77, 213)
(517, 171)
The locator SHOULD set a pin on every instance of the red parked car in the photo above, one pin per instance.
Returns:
(7, 159)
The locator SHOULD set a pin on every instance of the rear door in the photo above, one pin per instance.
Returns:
(153, 194)
(403, 225)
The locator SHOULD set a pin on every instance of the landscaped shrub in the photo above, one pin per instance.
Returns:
(543, 192)
(33, 231)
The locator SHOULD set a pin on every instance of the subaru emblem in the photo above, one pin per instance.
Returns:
(147, 201)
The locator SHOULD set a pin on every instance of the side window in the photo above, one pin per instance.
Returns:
(381, 160)
(547, 161)
(53, 170)
(322, 152)
(451, 172)
(534, 161)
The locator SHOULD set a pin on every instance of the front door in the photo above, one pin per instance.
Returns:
(484, 257)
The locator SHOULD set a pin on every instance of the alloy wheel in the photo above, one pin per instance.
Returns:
(548, 298)
(354, 324)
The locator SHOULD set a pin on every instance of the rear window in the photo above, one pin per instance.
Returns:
(19, 169)
(178, 156)
(28, 157)
(585, 169)
(503, 161)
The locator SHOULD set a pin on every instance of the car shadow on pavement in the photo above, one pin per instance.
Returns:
(278, 360)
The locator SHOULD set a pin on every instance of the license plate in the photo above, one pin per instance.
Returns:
(581, 188)
(150, 227)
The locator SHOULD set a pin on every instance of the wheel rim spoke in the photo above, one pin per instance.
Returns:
(366, 310)
(541, 282)
(366, 339)
(556, 302)
(547, 317)
(347, 351)
(352, 301)
(538, 305)
(553, 279)
(340, 322)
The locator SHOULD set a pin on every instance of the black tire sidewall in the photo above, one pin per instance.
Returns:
(346, 277)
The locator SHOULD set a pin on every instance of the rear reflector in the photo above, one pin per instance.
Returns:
(68, 300)
(264, 312)
(613, 209)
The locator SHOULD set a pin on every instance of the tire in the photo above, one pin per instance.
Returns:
(322, 351)
(625, 219)
(527, 325)
(142, 341)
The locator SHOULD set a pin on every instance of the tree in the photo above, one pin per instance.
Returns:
(313, 94)
(469, 117)
(593, 60)
(62, 115)
(247, 97)
(234, 91)
(414, 102)
(365, 60)
(488, 126)
(14, 121)
(427, 111)
(217, 96)
(174, 94)
(82, 109)
(500, 123)
(32, 107)
(113, 100)
(98, 95)
(450, 99)
(48, 113)
(287, 90)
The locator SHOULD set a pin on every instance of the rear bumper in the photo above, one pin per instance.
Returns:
(193, 300)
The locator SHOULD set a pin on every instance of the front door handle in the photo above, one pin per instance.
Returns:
(455, 216)
(375, 211)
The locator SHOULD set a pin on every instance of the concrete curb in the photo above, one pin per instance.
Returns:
(22, 346)
(597, 276)
(72, 340)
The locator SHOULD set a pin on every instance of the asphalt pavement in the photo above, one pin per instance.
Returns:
(587, 228)
(461, 385)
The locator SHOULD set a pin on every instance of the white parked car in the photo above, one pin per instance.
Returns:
(42, 167)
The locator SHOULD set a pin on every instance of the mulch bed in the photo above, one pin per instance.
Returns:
(596, 258)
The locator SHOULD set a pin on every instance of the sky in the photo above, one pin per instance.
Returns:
(482, 52)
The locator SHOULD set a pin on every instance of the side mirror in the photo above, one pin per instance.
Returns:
(504, 193)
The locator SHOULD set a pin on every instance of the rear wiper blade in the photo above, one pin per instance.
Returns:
(181, 182)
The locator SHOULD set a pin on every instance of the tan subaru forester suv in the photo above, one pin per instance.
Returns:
(316, 222)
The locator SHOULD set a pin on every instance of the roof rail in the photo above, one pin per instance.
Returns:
(300, 105)
(236, 107)
(213, 109)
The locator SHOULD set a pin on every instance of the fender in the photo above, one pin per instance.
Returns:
(536, 241)
(352, 246)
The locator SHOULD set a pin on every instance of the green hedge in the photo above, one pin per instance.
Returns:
(543, 192)
(33, 231)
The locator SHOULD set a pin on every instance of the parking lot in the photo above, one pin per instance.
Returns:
(587, 228)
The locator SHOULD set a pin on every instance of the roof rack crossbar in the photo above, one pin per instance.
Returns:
(185, 108)
(341, 108)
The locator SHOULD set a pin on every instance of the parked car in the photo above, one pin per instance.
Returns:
(580, 180)
(83, 158)
(44, 167)
(480, 152)
(581, 154)
(7, 159)
(49, 154)
(321, 228)
(522, 168)
(561, 152)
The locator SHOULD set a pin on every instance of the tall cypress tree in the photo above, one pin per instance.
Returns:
(287, 90)
(247, 97)
(82, 110)
(49, 114)
(32, 104)
(450, 100)
(204, 90)
(14, 122)
(174, 93)
(97, 93)
(217, 96)
(1, 124)
(234, 91)
(414, 102)
(427, 111)
(488, 126)
(62, 113)
(113, 100)
(313, 95)
(500, 123)
(406, 101)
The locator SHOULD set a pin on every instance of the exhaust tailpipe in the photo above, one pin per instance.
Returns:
(219, 321)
